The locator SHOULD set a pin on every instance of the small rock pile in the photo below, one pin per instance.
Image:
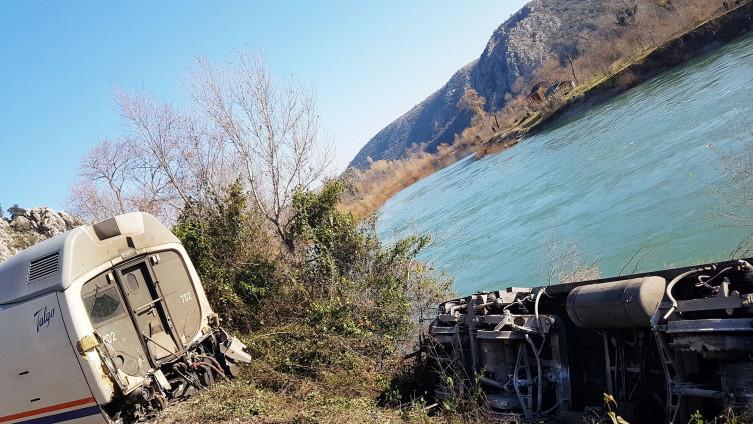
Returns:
(26, 227)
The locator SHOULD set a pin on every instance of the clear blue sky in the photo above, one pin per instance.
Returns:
(59, 62)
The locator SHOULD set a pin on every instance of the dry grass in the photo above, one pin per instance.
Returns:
(371, 188)
(268, 392)
(252, 399)
(263, 395)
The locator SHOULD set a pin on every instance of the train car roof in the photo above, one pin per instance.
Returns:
(54, 264)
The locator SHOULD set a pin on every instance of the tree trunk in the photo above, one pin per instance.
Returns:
(572, 68)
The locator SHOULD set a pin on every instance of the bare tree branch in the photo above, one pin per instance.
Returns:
(245, 125)
(273, 127)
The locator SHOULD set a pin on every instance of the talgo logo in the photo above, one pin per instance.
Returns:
(43, 317)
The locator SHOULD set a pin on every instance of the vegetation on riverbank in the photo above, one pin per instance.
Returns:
(327, 323)
(638, 40)
(327, 309)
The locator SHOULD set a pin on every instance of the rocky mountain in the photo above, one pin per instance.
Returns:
(26, 227)
(540, 30)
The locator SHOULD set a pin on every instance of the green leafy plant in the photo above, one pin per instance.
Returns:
(334, 314)
(229, 247)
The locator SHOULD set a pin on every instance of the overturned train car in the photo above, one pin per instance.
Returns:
(664, 345)
(106, 323)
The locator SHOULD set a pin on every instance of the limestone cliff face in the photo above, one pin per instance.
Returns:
(26, 227)
(541, 29)
(435, 120)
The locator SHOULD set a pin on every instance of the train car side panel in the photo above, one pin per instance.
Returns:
(41, 376)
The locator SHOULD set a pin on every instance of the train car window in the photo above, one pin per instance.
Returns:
(109, 317)
(103, 305)
(180, 294)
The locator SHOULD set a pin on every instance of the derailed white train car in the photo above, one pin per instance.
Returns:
(106, 323)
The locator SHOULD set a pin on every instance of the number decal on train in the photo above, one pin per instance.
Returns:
(110, 338)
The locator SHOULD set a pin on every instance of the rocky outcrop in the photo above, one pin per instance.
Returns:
(540, 30)
(6, 240)
(435, 120)
(26, 227)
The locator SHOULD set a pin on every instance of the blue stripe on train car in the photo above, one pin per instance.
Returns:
(64, 416)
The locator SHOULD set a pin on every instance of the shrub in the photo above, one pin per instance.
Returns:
(339, 285)
(232, 252)
(332, 315)
(351, 286)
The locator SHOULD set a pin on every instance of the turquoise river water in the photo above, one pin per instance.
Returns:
(640, 171)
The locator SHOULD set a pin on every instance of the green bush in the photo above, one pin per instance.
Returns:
(336, 309)
(230, 248)
(354, 285)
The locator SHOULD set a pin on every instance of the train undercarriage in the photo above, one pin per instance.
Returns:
(213, 358)
(658, 347)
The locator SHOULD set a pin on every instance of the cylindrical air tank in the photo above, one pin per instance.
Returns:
(617, 304)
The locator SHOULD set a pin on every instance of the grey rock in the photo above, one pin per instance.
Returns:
(5, 240)
(30, 226)
(70, 220)
(21, 223)
(51, 224)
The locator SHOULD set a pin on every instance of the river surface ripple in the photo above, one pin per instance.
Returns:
(640, 171)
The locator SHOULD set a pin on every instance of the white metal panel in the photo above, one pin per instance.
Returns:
(39, 370)
(79, 325)
(79, 251)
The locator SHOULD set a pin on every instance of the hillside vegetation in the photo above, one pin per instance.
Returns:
(327, 323)
(327, 309)
(546, 57)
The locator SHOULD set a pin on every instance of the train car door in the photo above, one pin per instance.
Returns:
(147, 305)
(109, 316)
(145, 310)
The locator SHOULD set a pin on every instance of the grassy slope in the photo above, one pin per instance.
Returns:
(245, 401)
(261, 394)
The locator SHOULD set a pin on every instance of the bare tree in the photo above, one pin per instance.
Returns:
(167, 160)
(183, 159)
(472, 102)
(104, 188)
(735, 192)
(246, 125)
(273, 127)
(636, 259)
